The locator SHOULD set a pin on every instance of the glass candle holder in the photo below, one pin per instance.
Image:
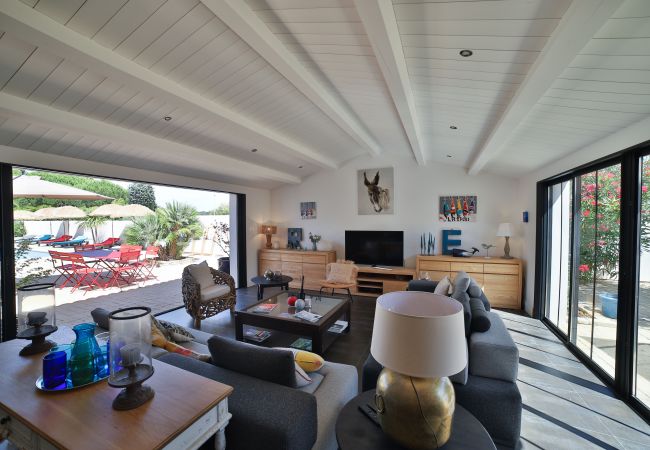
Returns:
(35, 307)
(130, 361)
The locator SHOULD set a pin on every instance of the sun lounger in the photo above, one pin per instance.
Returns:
(77, 241)
(62, 238)
(45, 237)
(27, 237)
(108, 243)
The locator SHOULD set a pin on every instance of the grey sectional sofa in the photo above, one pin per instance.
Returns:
(490, 390)
(269, 415)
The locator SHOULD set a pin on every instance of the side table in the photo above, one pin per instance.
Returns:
(261, 282)
(355, 431)
(186, 410)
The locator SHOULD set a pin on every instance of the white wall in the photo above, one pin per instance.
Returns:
(257, 200)
(416, 204)
(627, 137)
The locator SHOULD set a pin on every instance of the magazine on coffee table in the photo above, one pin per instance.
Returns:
(308, 316)
(302, 344)
(338, 327)
(265, 308)
(257, 335)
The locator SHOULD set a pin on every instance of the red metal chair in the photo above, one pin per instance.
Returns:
(64, 268)
(149, 262)
(125, 269)
(82, 273)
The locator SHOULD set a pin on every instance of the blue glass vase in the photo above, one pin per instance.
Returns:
(86, 357)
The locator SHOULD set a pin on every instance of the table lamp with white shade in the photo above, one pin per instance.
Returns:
(419, 338)
(505, 230)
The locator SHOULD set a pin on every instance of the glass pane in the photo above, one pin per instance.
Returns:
(586, 262)
(558, 288)
(642, 385)
(607, 223)
(600, 212)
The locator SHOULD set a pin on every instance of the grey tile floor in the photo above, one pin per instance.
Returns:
(565, 405)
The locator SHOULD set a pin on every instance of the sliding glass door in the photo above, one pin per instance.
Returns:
(583, 237)
(593, 284)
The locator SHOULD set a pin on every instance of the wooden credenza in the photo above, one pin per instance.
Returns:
(296, 263)
(501, 279)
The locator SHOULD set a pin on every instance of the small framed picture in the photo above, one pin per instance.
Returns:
(307, 210)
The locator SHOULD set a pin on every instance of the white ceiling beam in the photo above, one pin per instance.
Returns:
(242, 20)
(579, 24)
(41, 114)
(21, 21)
(378, 17)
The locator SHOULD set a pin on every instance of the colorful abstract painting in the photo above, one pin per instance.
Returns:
(458, 208)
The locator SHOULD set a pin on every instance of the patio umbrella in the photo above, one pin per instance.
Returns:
(115, 211)
(34, 187)
(22, 214)
(62, 212)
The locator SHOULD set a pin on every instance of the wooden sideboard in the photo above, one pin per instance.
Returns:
(374, 281)
(296, 263)
(501, 279)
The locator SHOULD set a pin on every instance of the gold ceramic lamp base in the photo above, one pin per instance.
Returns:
(415, 412)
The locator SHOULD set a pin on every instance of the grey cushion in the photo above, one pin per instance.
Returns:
(474, 290)
(270, 364)
(316, 380)
(493, 354)
(100, 316)
(485, 301)
(461, 282)
(264, 415)
(201, 273)
(480, 318)
(422, 285)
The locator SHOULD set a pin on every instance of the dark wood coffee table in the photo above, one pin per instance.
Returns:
(355, 431)
(281, 318)
(262, 282)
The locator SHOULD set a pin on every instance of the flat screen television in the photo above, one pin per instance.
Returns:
(377, 248)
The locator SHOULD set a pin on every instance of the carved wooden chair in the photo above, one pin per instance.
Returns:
(203, 300)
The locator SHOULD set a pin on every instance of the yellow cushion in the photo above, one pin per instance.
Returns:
(308, 361)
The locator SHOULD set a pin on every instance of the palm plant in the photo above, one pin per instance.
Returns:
(92, 223)
(144, 230)
(179, 223)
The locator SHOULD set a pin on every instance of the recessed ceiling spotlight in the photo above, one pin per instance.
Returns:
(453, 127)
(300, 167)
(254, 150)
(167, 118)
(466, 53)
(448, 156)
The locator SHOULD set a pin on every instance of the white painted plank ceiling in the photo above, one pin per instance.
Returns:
(604, 89)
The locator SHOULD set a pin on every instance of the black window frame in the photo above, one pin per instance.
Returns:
(626, 340)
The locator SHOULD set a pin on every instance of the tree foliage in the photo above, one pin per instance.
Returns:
(600, 221)
(142, 194)
(92, 223)
(222, 210)
(103, 187)
(172, 227)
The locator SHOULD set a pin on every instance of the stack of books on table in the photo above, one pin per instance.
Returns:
(257, 335)
(265, 308)
(338, 327)
(308, 316)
